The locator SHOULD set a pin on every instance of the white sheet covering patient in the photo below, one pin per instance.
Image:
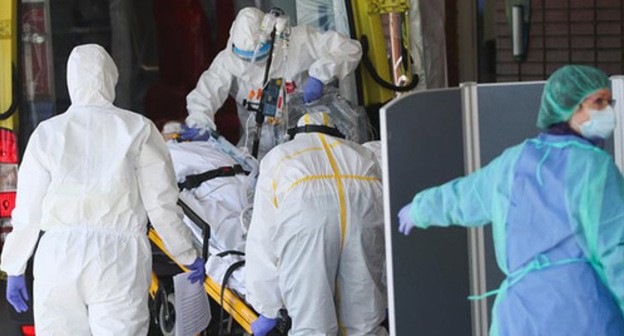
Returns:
(218, 201)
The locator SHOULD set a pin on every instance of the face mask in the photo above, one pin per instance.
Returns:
(600, 124)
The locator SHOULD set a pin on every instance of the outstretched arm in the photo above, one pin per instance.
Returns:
(336, 56)
(466, 201)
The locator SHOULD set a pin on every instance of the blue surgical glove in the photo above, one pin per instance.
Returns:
(194, 134)
(312, 90)
(263, 325)
(16, 293)
(405, 223)
(198, 270)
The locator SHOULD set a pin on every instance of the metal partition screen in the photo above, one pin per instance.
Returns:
(428, 271)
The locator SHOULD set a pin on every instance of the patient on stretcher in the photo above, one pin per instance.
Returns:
(218, 189)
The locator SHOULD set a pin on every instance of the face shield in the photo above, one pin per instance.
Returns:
(248, 55)
(245, 36)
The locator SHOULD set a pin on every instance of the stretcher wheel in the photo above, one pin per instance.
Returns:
(166, 316)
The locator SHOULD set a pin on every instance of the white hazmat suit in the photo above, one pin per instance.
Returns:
(89, 179)
(316, 243)
(325, 56)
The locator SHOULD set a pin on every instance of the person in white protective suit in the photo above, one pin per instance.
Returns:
(316, 244)
(321, 57)
(89, 180)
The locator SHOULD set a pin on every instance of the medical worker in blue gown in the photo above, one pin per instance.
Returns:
(556, 203)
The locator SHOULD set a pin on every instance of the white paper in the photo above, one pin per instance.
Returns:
(192, 307)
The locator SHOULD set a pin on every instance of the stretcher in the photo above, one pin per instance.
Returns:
(231, 315)
(206, 172)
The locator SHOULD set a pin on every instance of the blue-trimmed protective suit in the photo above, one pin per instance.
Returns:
(556, 203)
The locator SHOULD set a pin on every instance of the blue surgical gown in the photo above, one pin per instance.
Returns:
(556, 203)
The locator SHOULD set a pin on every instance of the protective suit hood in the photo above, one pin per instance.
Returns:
(245, 30)
(91, 76)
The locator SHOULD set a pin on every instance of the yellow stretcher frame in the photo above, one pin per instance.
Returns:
(232, 304)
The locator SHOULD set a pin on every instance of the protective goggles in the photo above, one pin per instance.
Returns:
(247, 55)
